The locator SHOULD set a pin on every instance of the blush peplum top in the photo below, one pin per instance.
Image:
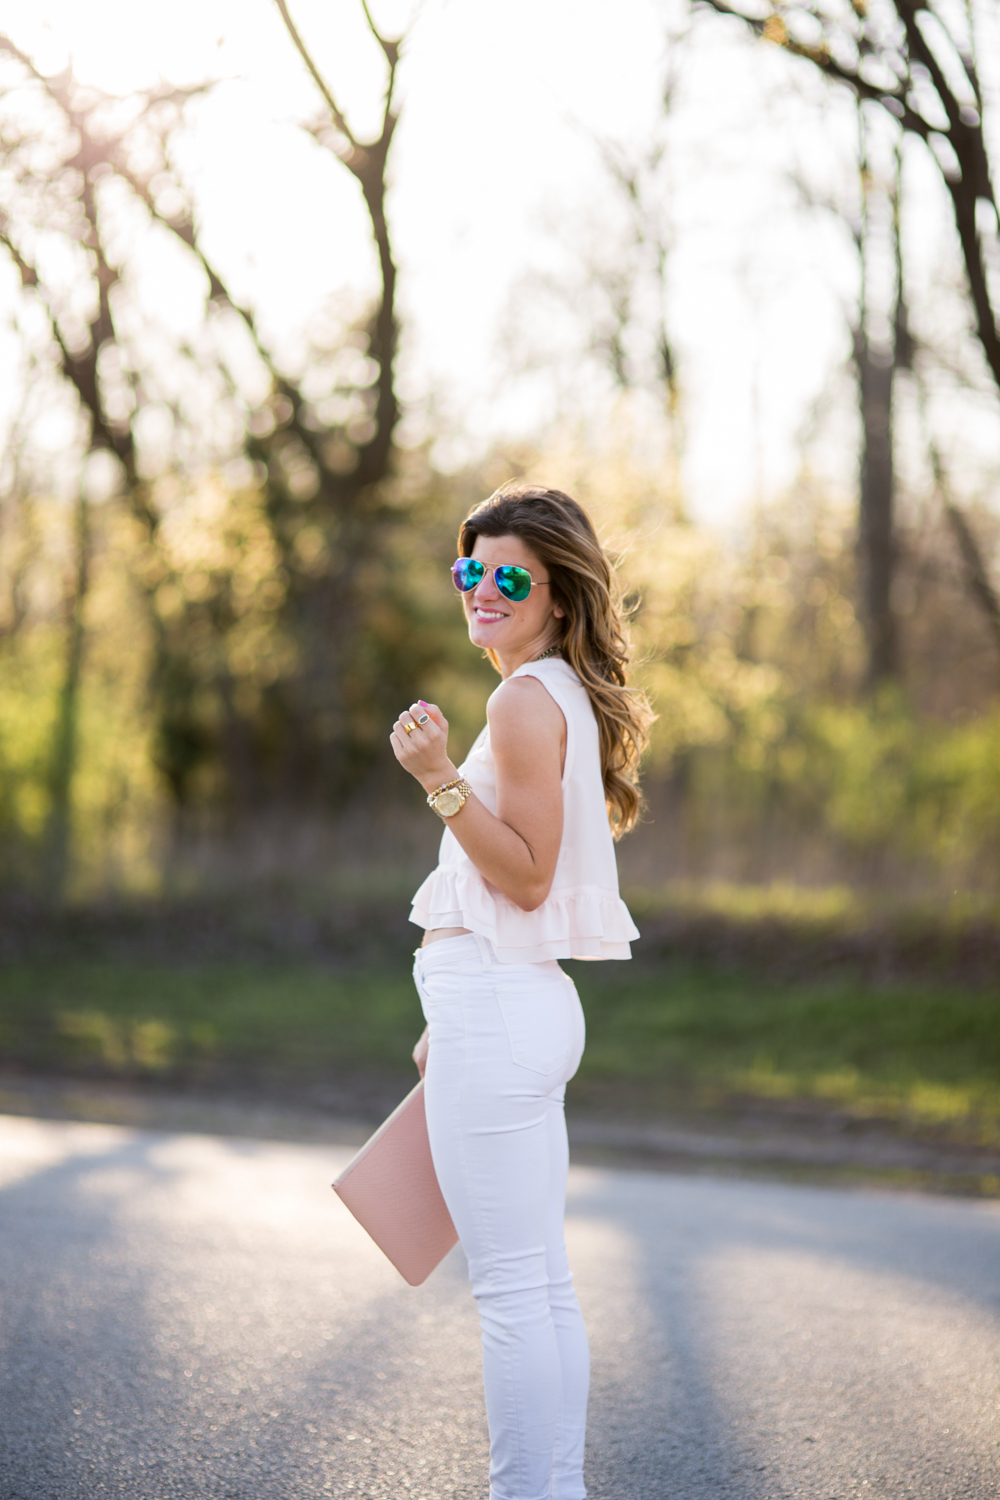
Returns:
(583, 916)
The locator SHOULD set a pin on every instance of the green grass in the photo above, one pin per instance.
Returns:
(837, 908)
(131, 1020)
(684, 1036)
(925, 1056)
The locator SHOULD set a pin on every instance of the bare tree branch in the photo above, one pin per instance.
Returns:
(390, 47)
(964, 131)
(367, 161)
(336, 113)
(81, 372)
(976, 573)
(9, 47)
(314, 737)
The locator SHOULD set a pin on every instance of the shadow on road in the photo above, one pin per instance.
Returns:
(199, 1316)
(787, 1340)
(160, 1346)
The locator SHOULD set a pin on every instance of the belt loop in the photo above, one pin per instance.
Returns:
(485, 951)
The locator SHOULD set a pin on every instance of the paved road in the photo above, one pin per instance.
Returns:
(196, 1316)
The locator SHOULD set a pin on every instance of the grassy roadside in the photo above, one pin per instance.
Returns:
(923, 1057)
(686, 1036)
(129, 1020)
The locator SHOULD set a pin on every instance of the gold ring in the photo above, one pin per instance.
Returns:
(409, 728)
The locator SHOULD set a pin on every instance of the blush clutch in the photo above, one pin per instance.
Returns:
(392, 1190)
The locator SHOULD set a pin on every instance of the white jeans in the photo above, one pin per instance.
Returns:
(504, 1041)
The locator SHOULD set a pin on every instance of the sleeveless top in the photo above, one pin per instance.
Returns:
(583, 915)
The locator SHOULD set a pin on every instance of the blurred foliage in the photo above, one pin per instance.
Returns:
(117, 794)
(839, 909)
(766, 762)
(863, 792)
(265, 581)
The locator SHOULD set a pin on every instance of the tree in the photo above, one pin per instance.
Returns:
(325, 498)
(41, 199)
(881, 346)
(58, 829)
(916, 63)
(607, 313)
(877, 362)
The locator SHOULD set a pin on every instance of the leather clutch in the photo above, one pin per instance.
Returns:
(392, 1190)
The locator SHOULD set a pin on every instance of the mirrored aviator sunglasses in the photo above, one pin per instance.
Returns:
(512, 582)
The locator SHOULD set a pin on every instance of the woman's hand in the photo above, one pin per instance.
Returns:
(423, 749)
(517, 847)
(420, 1052)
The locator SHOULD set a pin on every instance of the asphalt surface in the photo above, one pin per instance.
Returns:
(188, 1315)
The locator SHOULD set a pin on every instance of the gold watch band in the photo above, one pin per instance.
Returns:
(450, 798)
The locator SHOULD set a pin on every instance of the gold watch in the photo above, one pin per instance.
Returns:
(450, 798)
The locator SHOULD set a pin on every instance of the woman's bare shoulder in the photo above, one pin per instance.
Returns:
(521, 704)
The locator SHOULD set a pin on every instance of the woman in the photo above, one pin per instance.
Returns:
(526, 877)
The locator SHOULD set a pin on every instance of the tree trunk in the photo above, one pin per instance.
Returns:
(875, 367)
(876, 530)
(57, 848)
(316, 727)
(949, 104)
(977, 578)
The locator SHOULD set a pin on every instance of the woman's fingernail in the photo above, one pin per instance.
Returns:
(422, 703)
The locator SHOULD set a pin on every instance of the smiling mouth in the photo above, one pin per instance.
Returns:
(487, 615)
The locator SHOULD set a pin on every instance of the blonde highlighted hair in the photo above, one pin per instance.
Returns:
(594, 638)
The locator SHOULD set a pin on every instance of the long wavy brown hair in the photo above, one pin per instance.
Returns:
(594, 637)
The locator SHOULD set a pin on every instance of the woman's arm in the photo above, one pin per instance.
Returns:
(517, 849)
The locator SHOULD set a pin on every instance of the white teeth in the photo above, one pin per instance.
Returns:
(484, 614)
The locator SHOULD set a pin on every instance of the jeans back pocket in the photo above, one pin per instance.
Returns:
(541, 1024)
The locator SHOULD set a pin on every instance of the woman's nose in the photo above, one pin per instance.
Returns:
(487, 589)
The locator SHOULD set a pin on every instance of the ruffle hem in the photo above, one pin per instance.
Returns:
(582, 923)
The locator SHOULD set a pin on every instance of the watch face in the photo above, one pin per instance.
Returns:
(448, 802)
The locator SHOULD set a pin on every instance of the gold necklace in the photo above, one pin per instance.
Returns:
(552, 651)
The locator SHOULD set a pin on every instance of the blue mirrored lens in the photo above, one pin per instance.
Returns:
(467, 573)
(514, 583)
